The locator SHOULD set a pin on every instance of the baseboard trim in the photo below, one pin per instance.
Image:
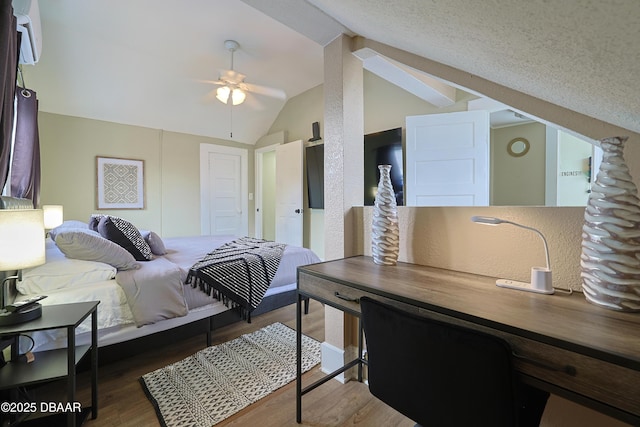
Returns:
(334, 358)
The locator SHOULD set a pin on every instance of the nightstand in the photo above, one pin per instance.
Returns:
(59, 363)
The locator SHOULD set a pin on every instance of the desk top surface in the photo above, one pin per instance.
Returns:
(562, 320)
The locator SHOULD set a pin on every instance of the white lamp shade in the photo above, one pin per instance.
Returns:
(53, 216)
(21, 238)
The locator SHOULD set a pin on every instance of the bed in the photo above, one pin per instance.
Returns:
(148, 298)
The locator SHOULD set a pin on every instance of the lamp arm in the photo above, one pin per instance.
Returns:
(4, 294)
(546, 246)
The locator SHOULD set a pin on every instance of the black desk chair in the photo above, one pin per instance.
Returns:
(440, 375)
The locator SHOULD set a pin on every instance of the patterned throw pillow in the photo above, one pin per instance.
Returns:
(125, 234)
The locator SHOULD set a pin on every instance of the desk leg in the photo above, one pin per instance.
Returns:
(94, 364)
(360, 339)
(299, 359)
(71, 373)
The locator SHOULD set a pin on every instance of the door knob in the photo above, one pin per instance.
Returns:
(297, 211)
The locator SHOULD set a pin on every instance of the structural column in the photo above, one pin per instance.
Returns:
(343, 181)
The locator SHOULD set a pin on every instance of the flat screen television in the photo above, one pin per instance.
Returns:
(383, 148)
(315, 175)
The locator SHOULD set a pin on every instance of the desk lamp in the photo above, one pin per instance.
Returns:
(541, 281)
(21, 246)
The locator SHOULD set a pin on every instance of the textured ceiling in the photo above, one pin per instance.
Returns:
(580, 54)
(139, 62)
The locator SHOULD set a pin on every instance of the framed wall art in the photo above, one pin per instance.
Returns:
(120, 183)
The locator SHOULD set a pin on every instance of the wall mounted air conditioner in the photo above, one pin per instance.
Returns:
(27, 15)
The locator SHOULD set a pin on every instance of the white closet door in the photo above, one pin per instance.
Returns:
(223, 187)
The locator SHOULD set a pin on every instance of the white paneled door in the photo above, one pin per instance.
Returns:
(223, 186)
(289, 217)
(448, 159)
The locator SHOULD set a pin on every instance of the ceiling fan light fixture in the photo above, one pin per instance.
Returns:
(222, 93)
(238, 96)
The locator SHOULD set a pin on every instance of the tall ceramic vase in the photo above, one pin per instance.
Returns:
(385, 241)
(610, 257)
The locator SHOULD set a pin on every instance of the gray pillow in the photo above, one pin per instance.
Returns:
(155, 242)
(90, 246)
(94, 220)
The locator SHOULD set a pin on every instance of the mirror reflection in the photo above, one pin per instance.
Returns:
(463, 149)
(555, 170)
(480, 158)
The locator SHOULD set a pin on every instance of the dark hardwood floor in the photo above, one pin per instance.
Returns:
(122, 402)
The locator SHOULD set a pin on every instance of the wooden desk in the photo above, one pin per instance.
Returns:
(561, 343)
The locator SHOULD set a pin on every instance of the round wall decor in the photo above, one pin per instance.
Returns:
(518, 147)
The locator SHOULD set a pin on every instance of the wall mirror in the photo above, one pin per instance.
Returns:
(518, 147)
(529, 163)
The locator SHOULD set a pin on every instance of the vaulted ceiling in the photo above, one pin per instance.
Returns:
(142, 61)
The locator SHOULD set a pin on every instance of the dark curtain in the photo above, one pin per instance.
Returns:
(25, 163)
(8, 66)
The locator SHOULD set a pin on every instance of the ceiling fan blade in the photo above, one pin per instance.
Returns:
(254, 103)
(209, 97)
(211, 82)
(267, 91)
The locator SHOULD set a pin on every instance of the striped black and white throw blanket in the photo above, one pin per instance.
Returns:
(238, 273)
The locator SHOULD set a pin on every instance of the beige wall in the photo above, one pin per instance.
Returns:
(386, 106)
(295, 121)
(69, 146)
(518, 181)
(446, 238)
(297, 115)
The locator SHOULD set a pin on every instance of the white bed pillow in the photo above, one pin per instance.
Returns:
(88, 245)
(63, 273)
(68, 225)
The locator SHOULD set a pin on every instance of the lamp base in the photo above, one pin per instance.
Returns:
(521, 286)
(32, 312)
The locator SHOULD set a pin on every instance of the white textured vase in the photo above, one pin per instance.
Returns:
(385, 235)
(610, 258)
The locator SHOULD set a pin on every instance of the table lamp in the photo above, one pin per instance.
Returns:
(53, 216)
(541, 281)
(21, 246)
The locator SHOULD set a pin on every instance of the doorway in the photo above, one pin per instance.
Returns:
(279, 195)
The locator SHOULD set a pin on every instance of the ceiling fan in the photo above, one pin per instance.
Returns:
(234, 88)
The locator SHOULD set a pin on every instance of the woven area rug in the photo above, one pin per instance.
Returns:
(219, 381)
